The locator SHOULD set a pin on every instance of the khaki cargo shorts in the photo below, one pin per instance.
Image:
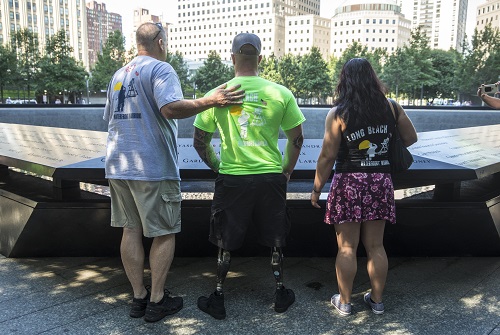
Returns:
(154, 205)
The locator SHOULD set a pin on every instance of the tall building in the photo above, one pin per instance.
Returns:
(443, 21)
(100, 23)
(46, 17)
(488, 13)
(205, 25)
(374, 23)
(306, 31)
(142, 15)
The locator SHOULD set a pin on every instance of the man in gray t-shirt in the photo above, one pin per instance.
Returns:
(144, 100)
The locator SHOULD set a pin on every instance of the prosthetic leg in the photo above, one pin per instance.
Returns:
(277, 266)
(223, 263)
(284, 297)
(214, 304)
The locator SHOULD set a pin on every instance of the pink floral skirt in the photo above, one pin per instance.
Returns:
(359, 196)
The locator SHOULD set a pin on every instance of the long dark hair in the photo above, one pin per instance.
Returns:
(360, 94)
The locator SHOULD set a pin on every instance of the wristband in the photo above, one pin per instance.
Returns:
(314, 191)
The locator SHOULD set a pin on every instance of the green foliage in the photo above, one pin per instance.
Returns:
(445, 62)
(7, 68)
(409, 69)
(479, 63)
(399, 73)
(131, 54)
(25, 44)
(332, 65)
(314, 81)
(268, 69)
(59, 71)
(420, 52)
(109, 61)
(213, 73)
(377, 58)
(176, 60)
(289, 71)
(355, 50)
(412, 71)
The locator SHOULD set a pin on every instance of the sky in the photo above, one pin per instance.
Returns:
(168, 9)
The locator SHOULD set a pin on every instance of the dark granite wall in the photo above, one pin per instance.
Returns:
(90, 118)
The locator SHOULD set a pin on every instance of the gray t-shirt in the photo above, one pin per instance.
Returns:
(142, 144)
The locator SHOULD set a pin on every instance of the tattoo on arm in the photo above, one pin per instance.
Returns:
(297, 141)
(201, 143)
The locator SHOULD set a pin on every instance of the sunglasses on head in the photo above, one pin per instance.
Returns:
(159, 31)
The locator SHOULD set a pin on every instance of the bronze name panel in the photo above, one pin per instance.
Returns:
(464, 153)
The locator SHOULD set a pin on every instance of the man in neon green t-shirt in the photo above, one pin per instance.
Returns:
(252, 174)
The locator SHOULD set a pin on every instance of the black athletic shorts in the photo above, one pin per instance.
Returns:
(242, 200)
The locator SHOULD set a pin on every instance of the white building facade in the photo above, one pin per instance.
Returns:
(373, 23)
(306, 31)
(488, 13)
(205, 25)
(46, 18)
(443, 21)
(142, 15)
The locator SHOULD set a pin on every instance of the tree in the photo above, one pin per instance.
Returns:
(480, 62)
(176, 60)
(399, 73)
(314, 81)
(289, 71)
(59, 71)
(332, 65)
(7, 68)
(355, 50)
(419, 52)
(268, 69)
(131, 54)
(377, 58)
(109, 61)
(25, 44)
(446, 62)
(213, 73)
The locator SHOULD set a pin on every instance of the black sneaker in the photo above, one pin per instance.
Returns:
(166, 306)
(283, 299)
(138, 308)
(213, 305)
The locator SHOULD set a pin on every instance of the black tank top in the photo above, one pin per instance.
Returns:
(365, 148)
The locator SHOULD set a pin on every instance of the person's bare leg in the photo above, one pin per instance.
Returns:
(132, 254)
(372, 236)
(160, 259)
(346, 261)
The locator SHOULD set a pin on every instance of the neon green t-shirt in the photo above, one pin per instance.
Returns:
(249, 132)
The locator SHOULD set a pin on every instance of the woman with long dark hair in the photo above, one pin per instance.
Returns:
(361, 198)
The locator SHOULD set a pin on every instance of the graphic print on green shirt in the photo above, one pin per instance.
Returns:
(249, 133)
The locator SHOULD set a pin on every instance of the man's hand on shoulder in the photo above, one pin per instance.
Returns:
(223, 96)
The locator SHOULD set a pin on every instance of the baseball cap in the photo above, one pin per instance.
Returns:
(246, 38)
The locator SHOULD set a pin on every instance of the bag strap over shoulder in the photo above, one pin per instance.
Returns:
(394, 109)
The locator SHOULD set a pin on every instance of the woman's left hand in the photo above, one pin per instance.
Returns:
(315, 199)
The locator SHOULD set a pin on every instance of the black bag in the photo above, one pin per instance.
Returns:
(399, 156)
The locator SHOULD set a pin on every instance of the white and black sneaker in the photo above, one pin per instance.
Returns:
(377, 307)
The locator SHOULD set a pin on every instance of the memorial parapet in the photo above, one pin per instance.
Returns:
(69, 154)
(443, 157)
(30, 225)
